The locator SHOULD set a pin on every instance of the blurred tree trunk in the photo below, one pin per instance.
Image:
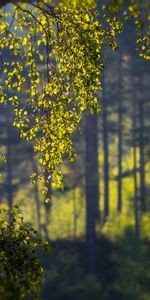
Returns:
(120, 121)
(47, 204)
(9, 161)
(141, 147)
(9, 175)
(91, 188)
(37, 199)
(134, 138)
(75, 214)
(106, 152)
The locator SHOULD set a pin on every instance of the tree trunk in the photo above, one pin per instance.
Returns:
(91, 188)
(75, 214)
(142, 161)
(47, 204)
(134, 138)
(9, 175)
(120, 125)
(106, 154)
(37, 199)
(9, 164)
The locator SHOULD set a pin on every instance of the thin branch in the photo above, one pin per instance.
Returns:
(35, 3)
(50, 10)
(35, 18)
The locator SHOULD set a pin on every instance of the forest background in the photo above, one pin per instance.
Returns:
(98, 225)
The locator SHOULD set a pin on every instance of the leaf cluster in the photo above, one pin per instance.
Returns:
(20, 269)
(57, 56)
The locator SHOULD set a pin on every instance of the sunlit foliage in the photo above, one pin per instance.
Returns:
(139, 11)
(57, 54)
(65, 43)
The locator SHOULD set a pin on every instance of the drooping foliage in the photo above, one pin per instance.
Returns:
(139, 12)
(57, 55)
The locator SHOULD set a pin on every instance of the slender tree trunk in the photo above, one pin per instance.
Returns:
(75, 215)
(142, 160)
(47, 204)
(9, 175)
(91, 188)
(134, 138)
(106, 154)
(120, 125)
(136, 209)
(37, 199)
(9, 164)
